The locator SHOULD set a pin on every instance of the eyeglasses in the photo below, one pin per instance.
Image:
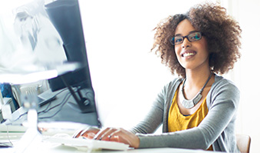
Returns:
(194, 36)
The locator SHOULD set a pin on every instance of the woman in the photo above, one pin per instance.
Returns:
(198, 109)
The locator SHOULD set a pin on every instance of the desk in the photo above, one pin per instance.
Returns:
(43, 147)
(47, 147)
(64, 149)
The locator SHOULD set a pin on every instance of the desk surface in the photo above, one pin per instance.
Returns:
(64, 149)
(40, 146)
(43, 147)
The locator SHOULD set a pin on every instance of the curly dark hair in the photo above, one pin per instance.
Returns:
(221, 31)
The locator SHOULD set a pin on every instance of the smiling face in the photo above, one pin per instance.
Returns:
(191, 55)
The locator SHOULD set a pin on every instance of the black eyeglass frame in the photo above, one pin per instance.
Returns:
(187, 36)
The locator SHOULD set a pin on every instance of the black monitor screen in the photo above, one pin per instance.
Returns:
(65, 17)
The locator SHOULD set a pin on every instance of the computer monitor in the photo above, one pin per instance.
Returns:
(40, 28)
(66, 18)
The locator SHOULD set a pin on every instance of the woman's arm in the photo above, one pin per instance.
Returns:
(158, 110)
(224, 99)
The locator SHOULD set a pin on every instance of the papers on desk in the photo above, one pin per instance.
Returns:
(12, 128)
(86, 144)
(11, 132)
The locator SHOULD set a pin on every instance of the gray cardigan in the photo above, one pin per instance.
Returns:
(217, 128)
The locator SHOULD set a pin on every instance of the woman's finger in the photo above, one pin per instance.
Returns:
(105, 133)
(87, 133)
(126, 137)
(118, 135)
(77, 134)
(90, 133)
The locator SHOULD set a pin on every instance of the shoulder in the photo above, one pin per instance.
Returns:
(169, 89)
(222, 84)
(223, 90)
(173, 85)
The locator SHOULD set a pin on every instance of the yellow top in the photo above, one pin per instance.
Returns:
(178, 121)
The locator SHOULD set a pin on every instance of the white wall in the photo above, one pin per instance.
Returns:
(246, 71)
(248, 15)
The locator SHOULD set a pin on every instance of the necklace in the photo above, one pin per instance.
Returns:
(191, 103)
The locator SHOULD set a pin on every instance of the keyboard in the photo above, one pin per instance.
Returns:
(85, 144)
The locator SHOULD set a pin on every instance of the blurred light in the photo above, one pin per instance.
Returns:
(16, 78)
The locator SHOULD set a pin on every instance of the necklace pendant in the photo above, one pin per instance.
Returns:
(187, 104)
(191, 103)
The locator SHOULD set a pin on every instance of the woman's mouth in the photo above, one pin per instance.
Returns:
(188, 53)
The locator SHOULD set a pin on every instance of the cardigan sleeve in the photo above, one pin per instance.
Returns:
(157, 112)
(153, 119)
(222, 100)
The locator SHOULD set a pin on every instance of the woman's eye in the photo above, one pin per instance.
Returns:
(177, 40)
(195, 36)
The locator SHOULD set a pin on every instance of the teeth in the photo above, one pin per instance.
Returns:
(188, 54)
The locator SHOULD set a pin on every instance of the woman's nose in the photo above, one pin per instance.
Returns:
(186, 43)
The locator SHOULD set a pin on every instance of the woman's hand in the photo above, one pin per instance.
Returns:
(110, 134)
(118, 135)
(87, 133)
